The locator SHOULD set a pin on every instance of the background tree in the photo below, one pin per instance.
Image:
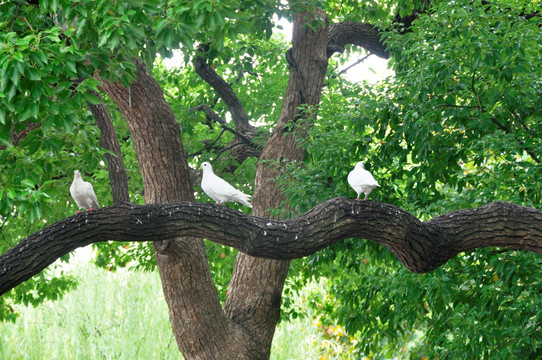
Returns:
(457, 127)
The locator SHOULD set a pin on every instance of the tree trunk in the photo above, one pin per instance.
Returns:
(200, 327)
(254, 294)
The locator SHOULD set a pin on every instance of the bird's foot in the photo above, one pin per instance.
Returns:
(91, 209)
(78, 212)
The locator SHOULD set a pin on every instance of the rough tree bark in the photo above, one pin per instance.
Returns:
(420, 246)
(109, 141)
(366, 36)
(254, 293)
(200, 326)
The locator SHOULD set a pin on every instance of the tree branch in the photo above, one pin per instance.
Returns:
(215, 117)
(224, 90)
(420, 246)
(366, 36)
(109, 141)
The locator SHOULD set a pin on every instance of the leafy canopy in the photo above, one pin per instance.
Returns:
(458, 126)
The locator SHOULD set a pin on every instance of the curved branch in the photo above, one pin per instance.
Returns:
(364, 35)
(420, 246)
(224, 90)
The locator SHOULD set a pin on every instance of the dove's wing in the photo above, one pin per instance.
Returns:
(91, 195)
(361, 177)
(83, 194)
(221, 191)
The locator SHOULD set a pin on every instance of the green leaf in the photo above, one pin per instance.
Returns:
(33, 74)
(36, 90)
(135, 30)
(5, 141)
(91, 98)
(14, 75)
(54, 5)
(71, 66)
(104, 36)
(12, 90)
(28, 183)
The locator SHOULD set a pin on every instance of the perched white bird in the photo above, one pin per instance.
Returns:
(362, 181)
(218, 189)
(83, 193)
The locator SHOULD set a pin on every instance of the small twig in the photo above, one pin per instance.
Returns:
(214, 116)
(222, 151)
(208, 147)
(456, 106)
(15, 15)
(354, 64)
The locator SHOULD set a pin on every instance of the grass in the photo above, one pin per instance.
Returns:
(121, 315)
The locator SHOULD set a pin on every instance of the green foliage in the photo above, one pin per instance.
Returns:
(482, 305)
(458, 126)
(466, 96)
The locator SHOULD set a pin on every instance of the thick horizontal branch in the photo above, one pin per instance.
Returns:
(363, 35)
(420, 246)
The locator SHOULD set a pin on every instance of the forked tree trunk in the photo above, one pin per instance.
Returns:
(254, 294)
(200, 326)
(245, 328)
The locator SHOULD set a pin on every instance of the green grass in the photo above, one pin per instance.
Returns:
(120, 315)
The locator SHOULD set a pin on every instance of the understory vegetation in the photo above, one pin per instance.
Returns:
(122, 314)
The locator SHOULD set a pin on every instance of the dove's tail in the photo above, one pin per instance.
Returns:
(244, 199)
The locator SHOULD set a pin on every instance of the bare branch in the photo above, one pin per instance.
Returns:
(359, 61)
(420, 246)
(224, 90)
(215, 117)
(366, 36)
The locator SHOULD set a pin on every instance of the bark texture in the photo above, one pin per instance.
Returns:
(254, 293)
(156, 136)
(200, 327)
(205, 71)
(420, 246)
(363, 35)
(109, 141)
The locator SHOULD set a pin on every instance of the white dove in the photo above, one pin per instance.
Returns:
(362, 181)
(218, 189)
(83, 193)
